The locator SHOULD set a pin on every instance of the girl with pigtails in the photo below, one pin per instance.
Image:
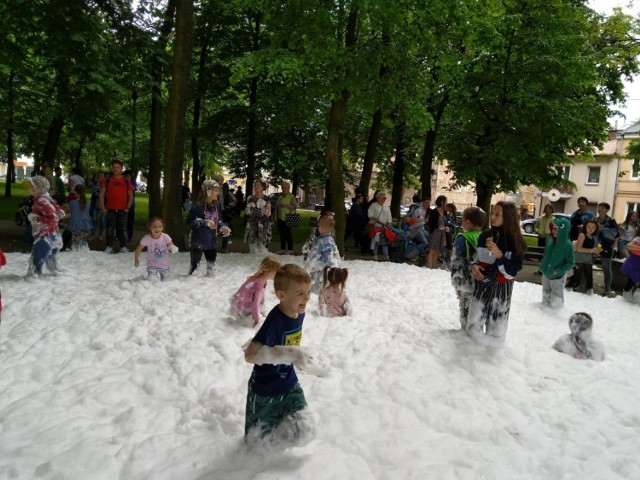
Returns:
(333, 301)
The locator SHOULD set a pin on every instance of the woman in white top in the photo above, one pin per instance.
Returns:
(627, 232)
(379, 217)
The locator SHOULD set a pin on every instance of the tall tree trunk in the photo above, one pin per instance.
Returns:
(10, 165)
(57, 123)
(398, 169)
(333, 161)
(484, 192)
(175, 131)
(252, 126)
(430, 145)
(198, 171)
(77, 161)
(155, 124)
(371, 152)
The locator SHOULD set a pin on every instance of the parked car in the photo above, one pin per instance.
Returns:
(320, 206)
(142, 187)
(529, 226)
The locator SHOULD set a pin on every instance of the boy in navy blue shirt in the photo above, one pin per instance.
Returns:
(276, 406)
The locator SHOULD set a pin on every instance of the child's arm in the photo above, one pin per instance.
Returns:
(136, 257)
(260, 354)
(172, 248)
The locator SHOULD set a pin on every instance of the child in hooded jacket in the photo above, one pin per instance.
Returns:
(44, 218)
(558, 259)
(249, 299)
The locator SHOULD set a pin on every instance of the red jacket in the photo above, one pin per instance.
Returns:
(44, 216)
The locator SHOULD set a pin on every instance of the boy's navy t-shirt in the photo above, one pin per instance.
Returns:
(277, 329)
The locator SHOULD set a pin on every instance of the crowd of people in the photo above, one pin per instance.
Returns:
(483, 266)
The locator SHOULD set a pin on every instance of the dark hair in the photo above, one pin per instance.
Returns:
(441, 201)
(582, 198)
(454, 210)
(117, 160)
(334, 276)
(76, 170)
(154, 219)
(475, 215)
(511, 227)
(583, 228)
(80, 191)
(605, 205)
(628, 217)
(548, 205)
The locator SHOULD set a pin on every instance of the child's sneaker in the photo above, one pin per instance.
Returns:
(108, 250)
(124, 250)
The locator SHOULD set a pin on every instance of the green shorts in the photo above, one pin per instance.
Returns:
(267, 412)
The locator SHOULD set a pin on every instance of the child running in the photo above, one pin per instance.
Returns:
(44, 218)
(158, 245)
(500, 253)
(464, 252)
(249, 299)
(276, 411)
(205, 220)
(332, 299)
(80, 224)
(324, 252)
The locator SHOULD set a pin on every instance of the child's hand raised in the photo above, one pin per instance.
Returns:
(493, 248)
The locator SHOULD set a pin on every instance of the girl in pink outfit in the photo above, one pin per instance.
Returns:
(332, 299)
(249, 299)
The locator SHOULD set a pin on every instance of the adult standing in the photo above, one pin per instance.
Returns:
(258, 231)
(578, 218)
(609, 236)
(380, 218)
(437, 225)
(75, 179)
(116, 197)
(59, 185)
(542, 225)
(239, 197)
(186, 195)
(627, 233)
(286, 204)
(356, 220)
(48, 174)
(97, 216)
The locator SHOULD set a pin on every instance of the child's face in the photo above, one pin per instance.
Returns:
(156, 229)
(293, 300)
(467, 225)
(496, 216)
(590, 228)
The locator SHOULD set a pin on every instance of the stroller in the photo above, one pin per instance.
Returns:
(404, 249)
(24, 209)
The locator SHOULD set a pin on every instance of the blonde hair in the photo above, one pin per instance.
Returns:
(267, 265)
(288, 274)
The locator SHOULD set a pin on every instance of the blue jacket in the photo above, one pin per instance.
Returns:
(202, 237)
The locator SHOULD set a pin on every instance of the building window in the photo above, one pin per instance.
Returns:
(635, 169)
(632, 207)
(564, 172)
(594, 176)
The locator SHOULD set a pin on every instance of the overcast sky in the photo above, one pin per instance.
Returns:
(632, 109)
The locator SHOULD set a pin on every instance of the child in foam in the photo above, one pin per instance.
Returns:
(324, 253)
(579, 343)
(249, 301)
(44, 218)
(276, 411)
(158, 245)
(558, 259)
(332, 299)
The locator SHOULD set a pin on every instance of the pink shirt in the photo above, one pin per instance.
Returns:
(334, 302)
(249, 298)
(157, 250)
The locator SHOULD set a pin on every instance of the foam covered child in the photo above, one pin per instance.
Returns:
(249, 299)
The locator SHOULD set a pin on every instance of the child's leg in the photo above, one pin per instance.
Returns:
(196, 256)
(607, 271)
(557, 291)
(547, 289)
(588, 274)
(498, 318)
(265, 414)
(41, 250)
(153, 274)
(464, 300)
(210, 256)
(477, 315)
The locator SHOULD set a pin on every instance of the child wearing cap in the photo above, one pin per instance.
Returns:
(44, 218)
